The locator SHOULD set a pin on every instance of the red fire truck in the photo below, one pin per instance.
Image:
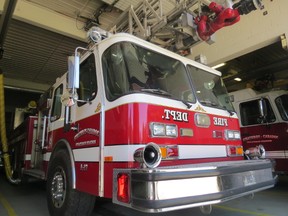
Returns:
(136, 123)
(264, 123)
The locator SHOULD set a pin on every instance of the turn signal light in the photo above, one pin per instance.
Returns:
(233, 151)
(169, 152)
(123, 194)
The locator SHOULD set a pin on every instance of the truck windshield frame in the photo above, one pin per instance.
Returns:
(282, 106)
(210, 89)
(129, 68)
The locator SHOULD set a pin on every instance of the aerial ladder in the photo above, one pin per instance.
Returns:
(178, 25)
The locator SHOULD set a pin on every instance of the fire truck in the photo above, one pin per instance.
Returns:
(133, 122)
(263, 120)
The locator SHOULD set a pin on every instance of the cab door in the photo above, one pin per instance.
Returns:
(86, 118)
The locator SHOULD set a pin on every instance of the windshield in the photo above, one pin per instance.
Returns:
(129, 68)
(210, 89)
(282, 105)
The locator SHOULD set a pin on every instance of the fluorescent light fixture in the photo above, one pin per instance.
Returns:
(218, 66)
(237, 79)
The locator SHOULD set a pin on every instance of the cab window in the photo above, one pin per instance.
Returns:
(57, 105)
(87, 86)
(251, 115)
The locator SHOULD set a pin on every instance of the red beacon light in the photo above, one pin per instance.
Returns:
(123, 193)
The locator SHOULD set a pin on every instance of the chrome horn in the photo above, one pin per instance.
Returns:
(257, 152)
(148, 156)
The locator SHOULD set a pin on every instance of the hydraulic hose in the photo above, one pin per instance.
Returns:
(6, 156)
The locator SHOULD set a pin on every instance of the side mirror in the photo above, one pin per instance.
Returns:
(73, 72)
(263, 109)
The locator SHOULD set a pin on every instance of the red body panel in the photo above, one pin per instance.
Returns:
(128, 124)
(274, 139)
(23, 138)
(131, 124)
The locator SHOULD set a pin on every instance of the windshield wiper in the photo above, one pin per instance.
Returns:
(209, 103)
(157, 91)
(187, 104)
(213, 104)
(231, 113)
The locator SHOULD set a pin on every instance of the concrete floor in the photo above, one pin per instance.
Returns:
(30, 200)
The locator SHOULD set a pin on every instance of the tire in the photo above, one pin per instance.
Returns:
(62, 200)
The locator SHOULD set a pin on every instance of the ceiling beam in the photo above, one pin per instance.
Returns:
(25, 85)
(35, 15)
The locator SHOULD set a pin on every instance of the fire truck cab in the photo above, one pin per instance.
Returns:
(263, 120)
(152, 130)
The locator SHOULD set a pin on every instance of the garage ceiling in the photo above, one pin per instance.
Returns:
(37, 55)
(263, 68)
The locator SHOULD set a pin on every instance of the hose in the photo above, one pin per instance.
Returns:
(6, 156)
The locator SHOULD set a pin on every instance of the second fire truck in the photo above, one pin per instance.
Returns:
(263, 120)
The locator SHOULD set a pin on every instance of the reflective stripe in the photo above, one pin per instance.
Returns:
(46, 156)
(119, 153)
(276, 154)
(28, 157)
(124, 153)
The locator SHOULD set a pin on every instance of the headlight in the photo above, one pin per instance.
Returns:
(232, 135)
(159, 129)
(171, 130)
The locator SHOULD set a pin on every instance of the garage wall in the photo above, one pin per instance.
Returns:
(254, 31)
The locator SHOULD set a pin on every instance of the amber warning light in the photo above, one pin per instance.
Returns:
(169, 152)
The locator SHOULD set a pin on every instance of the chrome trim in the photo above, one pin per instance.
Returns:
(141, 153)
(172, 188)
(43, 131)
(101, 151)
(102, 95)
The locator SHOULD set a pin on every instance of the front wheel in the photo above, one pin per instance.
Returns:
(62, 199)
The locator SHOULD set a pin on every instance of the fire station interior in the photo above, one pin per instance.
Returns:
(37, 36)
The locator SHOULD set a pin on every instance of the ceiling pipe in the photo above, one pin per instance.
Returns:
(6, 16)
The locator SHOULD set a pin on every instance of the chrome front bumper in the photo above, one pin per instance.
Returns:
(172, 188)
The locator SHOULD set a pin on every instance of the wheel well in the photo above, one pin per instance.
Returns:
(64, 144)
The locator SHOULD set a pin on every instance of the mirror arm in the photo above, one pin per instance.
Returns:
(67, 124)
(84, 101)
